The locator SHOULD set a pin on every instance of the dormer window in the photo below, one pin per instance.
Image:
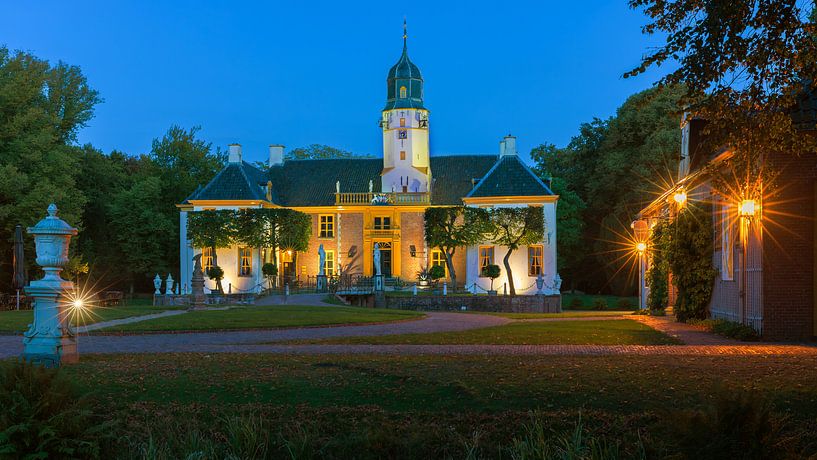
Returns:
(402, 92)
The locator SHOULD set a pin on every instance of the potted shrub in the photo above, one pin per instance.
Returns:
(216, 274)
(492, 271)
(436, 273)
(270, 271)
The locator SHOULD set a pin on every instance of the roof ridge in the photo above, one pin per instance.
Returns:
(496, 166)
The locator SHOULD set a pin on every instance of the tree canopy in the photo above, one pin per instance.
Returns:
(449, 228)
(515, 227)
(319, 152)
(604, 176)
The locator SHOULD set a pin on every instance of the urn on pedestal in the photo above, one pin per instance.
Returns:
(50, 340)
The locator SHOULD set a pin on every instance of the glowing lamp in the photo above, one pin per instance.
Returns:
(680, 197)
(747, 208)
(78, 303)
(641, 246)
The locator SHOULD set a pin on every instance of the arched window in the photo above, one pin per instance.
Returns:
(402, 92)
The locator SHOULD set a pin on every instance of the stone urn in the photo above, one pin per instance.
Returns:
(50, 340)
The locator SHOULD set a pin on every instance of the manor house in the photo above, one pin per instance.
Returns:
(357, 202)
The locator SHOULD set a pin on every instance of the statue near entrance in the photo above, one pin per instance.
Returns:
(321, 261)
(377, 259)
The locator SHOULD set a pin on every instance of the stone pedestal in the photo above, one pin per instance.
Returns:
(198, 300)
(379, 283)
(321, 284)
(50, 341)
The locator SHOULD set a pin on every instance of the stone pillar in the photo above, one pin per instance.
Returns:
(50, 341)
(199, 299)
(321, 284)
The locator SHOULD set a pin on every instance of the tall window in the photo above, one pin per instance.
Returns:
(727, 244)
(438, 259)
(326, 225)
(382, 223)
(206, 259)
(329, 263)
(535, 255)
(245, 261)
(402, 154)
(402, 92)
(486, 257)
(402, 122)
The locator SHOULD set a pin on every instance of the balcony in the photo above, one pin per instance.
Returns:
(385, 233)
(385, 199)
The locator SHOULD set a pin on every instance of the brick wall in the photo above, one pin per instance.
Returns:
(351, 242)
(788, 249)
(411, 233)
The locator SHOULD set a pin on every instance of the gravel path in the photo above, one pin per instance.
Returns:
(238, 340)
(132, 319)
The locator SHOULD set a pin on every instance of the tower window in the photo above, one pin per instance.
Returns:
(402, 154)
(402, 92)
(402, 122)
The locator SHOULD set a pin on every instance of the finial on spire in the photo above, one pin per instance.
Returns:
(405, 31)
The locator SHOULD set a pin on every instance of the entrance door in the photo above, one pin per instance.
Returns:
(385, 259)
(289, 266)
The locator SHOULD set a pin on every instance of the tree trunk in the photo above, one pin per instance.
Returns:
(449, 261)
(508, 271)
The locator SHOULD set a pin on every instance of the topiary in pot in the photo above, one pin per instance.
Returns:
(216, 274)
(493, 272)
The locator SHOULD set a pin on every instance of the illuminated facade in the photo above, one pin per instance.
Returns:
(357, 202)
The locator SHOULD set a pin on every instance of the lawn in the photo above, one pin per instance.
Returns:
(587, 301)
(17, 321)
(278, 316)
(587, 332)
(430, 406)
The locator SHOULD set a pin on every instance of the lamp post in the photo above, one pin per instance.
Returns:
(50, 340)
(746, 210)
(641, 230)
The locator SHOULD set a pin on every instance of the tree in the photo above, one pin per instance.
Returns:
(515, 227)
(492, 271)
(604, 176)
(42, 107)
(450, 228)
(275, 228)
(318, 152)
(745, 64)
(140, 229)
(211, 229)
(182, 162)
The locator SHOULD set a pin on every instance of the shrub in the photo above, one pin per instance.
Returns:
(269, 270)
(43, 415)
(599, 303)
(576, 303)
(624, 303)
(729, 329)
(436, 272)
(492, 271)
(738, 425)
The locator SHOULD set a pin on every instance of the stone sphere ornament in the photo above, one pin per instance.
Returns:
(50, 340)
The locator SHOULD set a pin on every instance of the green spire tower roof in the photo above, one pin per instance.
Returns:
(404, 82)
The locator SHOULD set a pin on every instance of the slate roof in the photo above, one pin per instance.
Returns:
(237, 181)
(509, 177)
(303, 183)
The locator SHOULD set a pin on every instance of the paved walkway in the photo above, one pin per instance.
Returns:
(239, 340)
(697, 342)
(129, 320)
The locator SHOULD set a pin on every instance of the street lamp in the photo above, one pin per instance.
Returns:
(747, 209)
(680, 197)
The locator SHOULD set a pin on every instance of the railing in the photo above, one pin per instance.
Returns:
(381, 232)
(389, 198)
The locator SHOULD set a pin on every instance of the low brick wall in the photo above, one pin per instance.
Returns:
(507, 304)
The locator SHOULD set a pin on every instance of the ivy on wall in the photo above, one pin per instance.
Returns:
(689, 258)
(658, 275)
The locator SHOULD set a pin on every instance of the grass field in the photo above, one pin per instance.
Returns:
(563, 314)
(429, 407)
(589, 332)
(237, 318)
(18, 321)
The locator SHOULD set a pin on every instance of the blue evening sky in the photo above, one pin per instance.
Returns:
(298, 73)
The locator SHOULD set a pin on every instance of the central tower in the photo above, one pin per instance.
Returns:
(404, 122)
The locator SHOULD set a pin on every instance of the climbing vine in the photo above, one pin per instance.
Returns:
(658, 274)
(689, 258)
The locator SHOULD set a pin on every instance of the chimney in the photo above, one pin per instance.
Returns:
(235, 153)
(507, 146)
(276, 155)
